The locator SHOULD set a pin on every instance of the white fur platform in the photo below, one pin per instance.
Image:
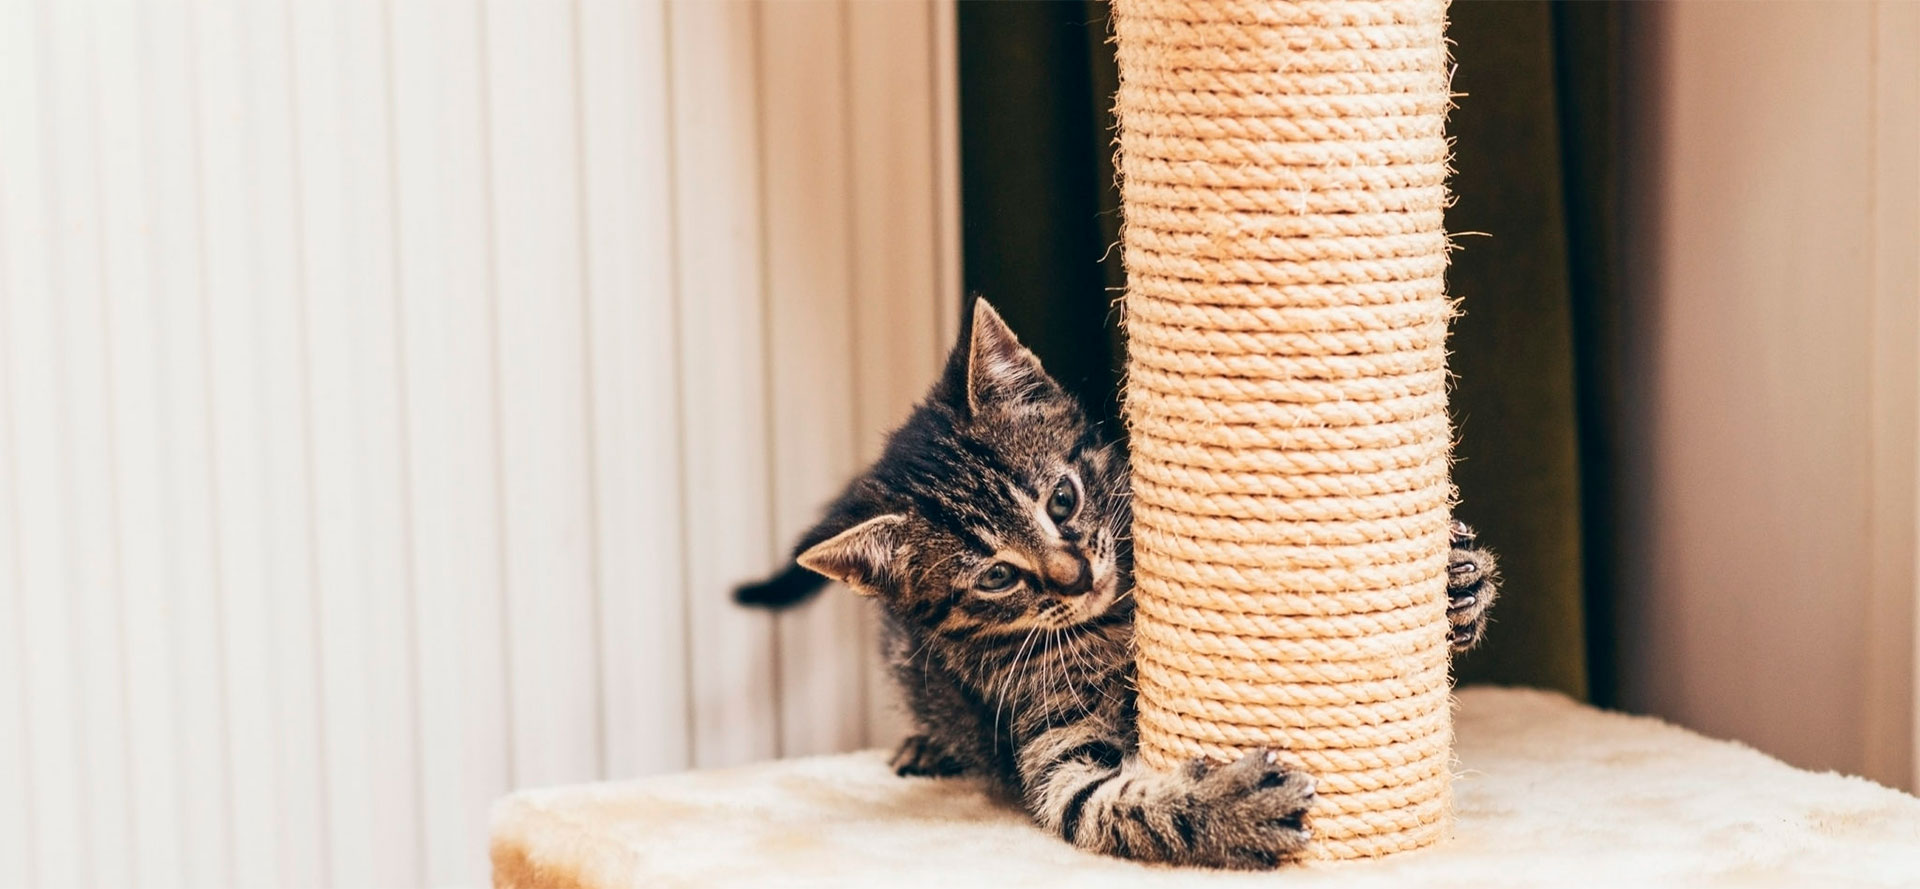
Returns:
(1548, 793)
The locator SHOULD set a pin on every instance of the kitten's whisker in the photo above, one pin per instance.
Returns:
(1055, 667)
(1090, 670)
(1007, 680)
(926, 676)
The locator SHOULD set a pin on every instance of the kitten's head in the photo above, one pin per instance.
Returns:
(995, 509)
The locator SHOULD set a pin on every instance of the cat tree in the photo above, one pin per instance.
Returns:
(1283, 170)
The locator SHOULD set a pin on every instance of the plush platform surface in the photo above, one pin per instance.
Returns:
(1548, 793)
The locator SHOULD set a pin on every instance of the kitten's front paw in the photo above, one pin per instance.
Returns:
(1473, 582)
(1250, 813)
(919, 756)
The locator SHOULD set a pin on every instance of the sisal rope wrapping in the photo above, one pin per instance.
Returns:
(1284, 171)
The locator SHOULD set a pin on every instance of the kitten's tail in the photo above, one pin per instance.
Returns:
(784, 590)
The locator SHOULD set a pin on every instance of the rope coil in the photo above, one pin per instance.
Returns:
(1284, 170)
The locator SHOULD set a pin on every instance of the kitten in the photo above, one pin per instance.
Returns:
(994, 533)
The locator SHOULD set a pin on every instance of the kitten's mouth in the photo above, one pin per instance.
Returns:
(1094, 603)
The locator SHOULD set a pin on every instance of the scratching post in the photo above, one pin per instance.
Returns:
(1283, 175)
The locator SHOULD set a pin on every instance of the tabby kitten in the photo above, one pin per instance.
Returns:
(993, 531)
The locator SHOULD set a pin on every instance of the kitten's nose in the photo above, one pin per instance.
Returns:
(1069, 572)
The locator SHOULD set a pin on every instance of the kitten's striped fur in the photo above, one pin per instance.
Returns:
(1031, 684)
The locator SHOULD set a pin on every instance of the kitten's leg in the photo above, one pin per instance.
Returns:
(949, 739)
(1246, 814)
(1473, 582)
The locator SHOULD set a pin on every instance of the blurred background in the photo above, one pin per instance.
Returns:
(390, 391)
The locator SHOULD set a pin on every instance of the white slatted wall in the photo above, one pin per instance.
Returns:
(390, 391)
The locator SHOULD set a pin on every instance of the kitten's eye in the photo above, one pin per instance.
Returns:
(996, 578)
(1063, 501)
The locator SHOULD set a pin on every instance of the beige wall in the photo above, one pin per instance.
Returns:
(1771, 205)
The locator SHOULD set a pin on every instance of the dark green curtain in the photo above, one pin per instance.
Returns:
(1039, 210)
(1535, 182)
(1532, 173)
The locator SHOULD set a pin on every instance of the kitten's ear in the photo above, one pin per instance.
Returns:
(998, 367)
(858, 556)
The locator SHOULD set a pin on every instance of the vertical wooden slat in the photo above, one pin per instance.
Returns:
(1891, 680)
(896, 209)
(723, 377)
(945, 57)
(282, 508)
(17, 847)
(134, 341)
(810, 352)
(55, 783)
(447, 325)
(627, 189)
(261, 484)
(18, 826)
(535, 181)
(179, 201)
(896, 251)
(16, 809)
(231, 306)
(95, 648)
(359, 467)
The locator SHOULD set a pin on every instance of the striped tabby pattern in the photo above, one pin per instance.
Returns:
(993, 532)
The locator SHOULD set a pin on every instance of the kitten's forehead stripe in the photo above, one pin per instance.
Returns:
(930, 487)
(982, 453)
(970, 511)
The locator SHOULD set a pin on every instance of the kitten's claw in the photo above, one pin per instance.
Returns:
(1473, 582)
(1251, 813)
(918, 756)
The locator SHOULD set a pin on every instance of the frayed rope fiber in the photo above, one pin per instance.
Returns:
(1283, 174)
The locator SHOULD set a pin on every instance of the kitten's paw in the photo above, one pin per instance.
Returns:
(919, 756)
(1250, 813)
(1473, 582)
